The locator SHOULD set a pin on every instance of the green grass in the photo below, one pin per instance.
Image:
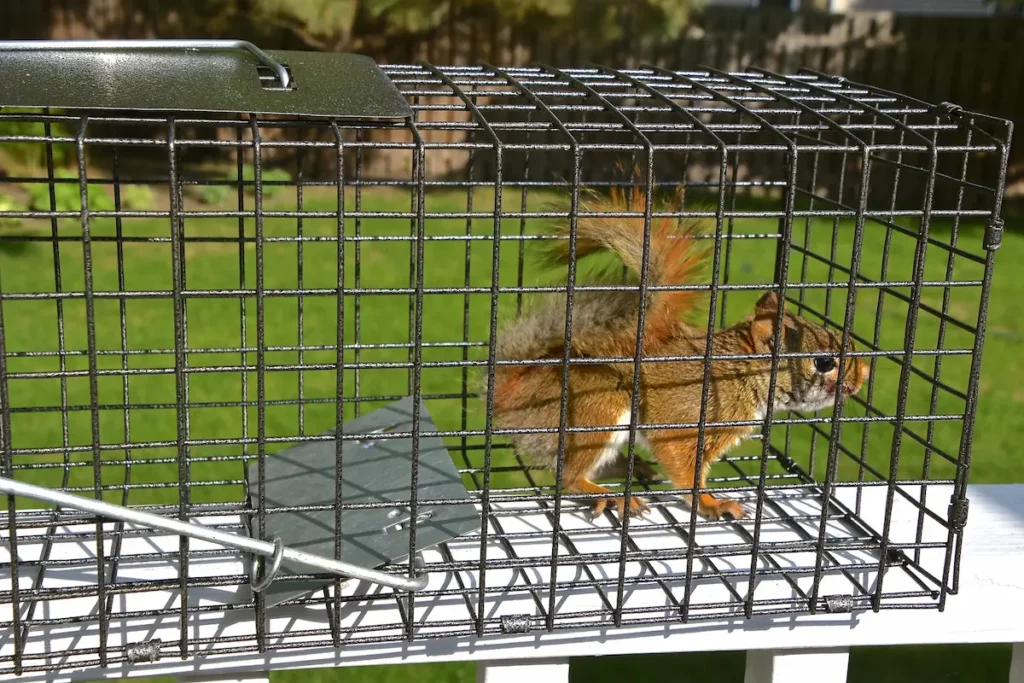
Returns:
(213, 323)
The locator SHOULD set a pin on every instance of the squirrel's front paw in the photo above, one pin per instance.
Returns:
(637, 506)
(725, 508)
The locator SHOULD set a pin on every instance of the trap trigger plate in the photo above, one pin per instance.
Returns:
(374, 470)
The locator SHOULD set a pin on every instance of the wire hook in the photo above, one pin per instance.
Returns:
(275, 567)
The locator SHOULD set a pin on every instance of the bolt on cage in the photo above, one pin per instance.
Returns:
(190, 286)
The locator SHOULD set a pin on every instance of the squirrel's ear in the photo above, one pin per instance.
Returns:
(762, 333)
(762, 328)
(768, 304)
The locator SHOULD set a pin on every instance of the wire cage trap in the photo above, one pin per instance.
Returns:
(199, 276)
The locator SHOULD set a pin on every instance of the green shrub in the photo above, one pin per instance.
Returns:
(270, 175)
(67, 195)
(137, 197)
(33, 153)
(218, 194)
(213, 194)
(7, 204)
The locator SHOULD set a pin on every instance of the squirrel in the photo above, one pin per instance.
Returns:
(604, 324)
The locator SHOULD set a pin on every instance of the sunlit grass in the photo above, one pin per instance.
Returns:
(383, 262)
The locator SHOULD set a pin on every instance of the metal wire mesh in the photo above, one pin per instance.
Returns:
(172, 338)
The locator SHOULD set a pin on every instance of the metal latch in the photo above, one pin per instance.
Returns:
(400, 524)
(369, 441)
(838, 604)
(952, 111)
(958, 513)
(516, 623)
(994, 234)
(148, 651)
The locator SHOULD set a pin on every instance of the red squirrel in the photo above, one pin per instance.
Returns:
(605, 325)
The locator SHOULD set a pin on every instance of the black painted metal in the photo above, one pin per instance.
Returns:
(822, 176)
(173, 79)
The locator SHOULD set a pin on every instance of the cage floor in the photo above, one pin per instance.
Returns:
(59, 605)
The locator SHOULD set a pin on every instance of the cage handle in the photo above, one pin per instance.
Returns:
(283, 77)
(274, 550)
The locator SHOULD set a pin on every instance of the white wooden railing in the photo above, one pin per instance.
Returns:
(988, 609)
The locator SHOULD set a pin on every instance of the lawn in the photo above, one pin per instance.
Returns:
(303, 402)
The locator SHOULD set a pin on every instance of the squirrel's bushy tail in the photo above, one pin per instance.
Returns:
(604, 322)
(601, 322)
(676, 256)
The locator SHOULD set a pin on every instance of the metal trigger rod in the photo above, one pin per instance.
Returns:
(272, 549)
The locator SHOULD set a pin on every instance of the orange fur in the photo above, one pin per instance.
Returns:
(605, 324)
(676, 256)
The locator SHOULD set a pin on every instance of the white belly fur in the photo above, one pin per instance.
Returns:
(618, 439)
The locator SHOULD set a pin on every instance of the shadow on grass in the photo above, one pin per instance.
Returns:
(903, 664)
(898, 664)
(13, 241)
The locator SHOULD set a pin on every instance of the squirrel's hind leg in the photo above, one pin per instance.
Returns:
(677, 453)
(637, 505)
(595, 401)
(588, 453)
(717, 508)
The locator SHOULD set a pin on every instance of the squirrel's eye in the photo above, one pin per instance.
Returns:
(824, 364)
